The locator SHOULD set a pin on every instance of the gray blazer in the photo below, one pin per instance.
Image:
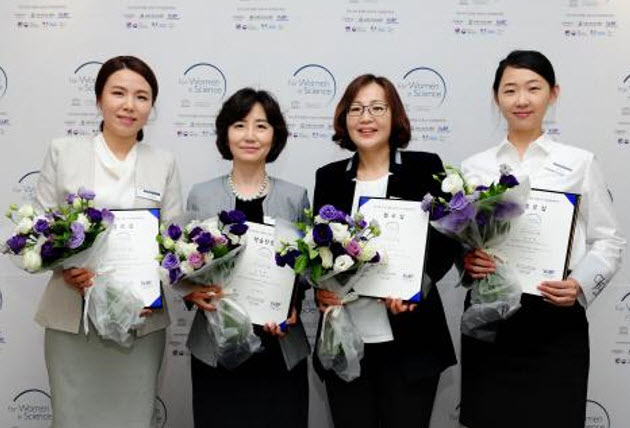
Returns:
(284, 200)
(68, 165)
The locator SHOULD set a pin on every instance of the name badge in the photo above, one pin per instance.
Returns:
(149, 194)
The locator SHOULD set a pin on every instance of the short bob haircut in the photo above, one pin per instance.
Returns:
(132, 63)
(237, 107)
(530, 60)
(401, 129)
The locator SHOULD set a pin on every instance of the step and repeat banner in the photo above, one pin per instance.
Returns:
(441, 55)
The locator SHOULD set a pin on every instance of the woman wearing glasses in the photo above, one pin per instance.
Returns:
(403, 359)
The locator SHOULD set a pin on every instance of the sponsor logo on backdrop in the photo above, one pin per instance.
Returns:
(4, 83)
(82, 117)
(312, 86)
(423, 88)
(160, 414)
(25, 189)
(30, 408)
(596, 415)
(204, 83)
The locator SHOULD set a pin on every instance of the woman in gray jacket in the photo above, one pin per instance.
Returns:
(270, 389)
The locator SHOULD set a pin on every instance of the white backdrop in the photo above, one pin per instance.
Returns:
(440, 53)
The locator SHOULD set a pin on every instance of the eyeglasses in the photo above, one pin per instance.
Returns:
(376, 109)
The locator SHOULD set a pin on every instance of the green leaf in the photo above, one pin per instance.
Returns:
(317, 272)
(312, 253)
(300, 263)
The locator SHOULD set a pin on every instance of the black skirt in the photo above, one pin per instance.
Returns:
(261, 392)
(534, 375)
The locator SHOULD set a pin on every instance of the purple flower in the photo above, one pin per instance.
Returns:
(437, 212)
(329, 213)
(196, 260)
(481, 188)
(234, 216)
(49, 252)
(174, 232)
(86, 194)
(456, 221)
(94, 215)
(353, 248)
(108, 216)
(174, 275)
(506, 210)
(508, 181)
(42, 227)
(70, 197)
(78, 235)
(16, 243)
(362, 224)
(291, 256)
(322, 234)
(204, 242)
(376, 258)
(427, 201)
(337, 249)
(196, 231)
(348, 220)
(238, 229)
(280, 260)
(170, 261)
(458, 202)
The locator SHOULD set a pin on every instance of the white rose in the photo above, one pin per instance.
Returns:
(25, 211)
(76, 204)
(326, 256)
(368, 252)
(236, 240)
(211, 225)
(340, 231)
(83, 220)
(32, 260)
(24, 226)
(186, 268)
(343, 263)
(184, 248)
(452, 184)
(308, 239)
(168, 243)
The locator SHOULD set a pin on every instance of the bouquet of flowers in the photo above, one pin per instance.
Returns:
(480, 217)
(44, 241)
(72, 236)
(334, 248)
(205, 252)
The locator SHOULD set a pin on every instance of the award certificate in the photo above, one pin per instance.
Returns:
(404, 232)
(539, 245)
(262, 287)
(130, 250)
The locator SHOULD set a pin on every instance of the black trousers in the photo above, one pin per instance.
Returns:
(381, 397)
(261, 392)
(534, 375)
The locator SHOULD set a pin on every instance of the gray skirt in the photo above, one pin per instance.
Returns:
(96, 383)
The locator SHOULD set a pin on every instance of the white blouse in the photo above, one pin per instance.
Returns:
(598, 243)
(370, 315)
(114, 179)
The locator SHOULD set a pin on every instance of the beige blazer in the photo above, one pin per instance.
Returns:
(68, 165)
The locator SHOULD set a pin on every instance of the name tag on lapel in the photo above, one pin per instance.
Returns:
(148, 194)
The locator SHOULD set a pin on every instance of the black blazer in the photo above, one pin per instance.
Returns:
(423, 342)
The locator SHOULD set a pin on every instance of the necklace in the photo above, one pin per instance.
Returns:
(262, 189)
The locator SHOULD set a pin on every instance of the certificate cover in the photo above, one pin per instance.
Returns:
(404, 238)
(262, 287)
(540, 240)
(130, 251)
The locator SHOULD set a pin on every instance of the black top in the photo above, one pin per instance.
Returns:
(253, 209)
(422, 338)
